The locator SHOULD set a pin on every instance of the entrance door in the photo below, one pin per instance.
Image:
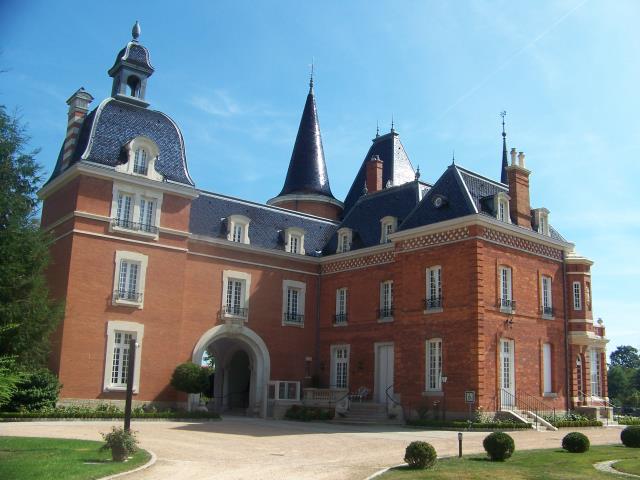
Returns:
(384, 371)
(340, 366)
(507, 374)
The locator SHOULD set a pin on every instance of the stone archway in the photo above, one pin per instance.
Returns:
(227, 340)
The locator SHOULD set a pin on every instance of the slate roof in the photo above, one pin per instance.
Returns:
(307, 173)
(364, 218)
(114, 123)
(396, 166)
(134, 53)
(209, 213)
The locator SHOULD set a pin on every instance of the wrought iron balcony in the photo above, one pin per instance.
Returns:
(507, 305)
(340, 318)
(127, 296)
(134, 226)
(385, 313)
(433, 303)
(547, 311)
(292, 317)
(235, 311)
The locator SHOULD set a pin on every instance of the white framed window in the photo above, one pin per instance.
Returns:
(284, 390)
(507, 303)
(541, 216)
(386, 301)
(293, 302)
(238, 229)
(135, 210)
(434, 288)
(434, 365)
(389, 225)
(294, 240)
(547, 368)
(501, 207)
(341, 306)
(596, 381)
(587, 295)
(345, 236)
(546, 296)
(340, 366)
(577, 296)
(119, 333)
(142, 153)
(235, 294)
(129, 277)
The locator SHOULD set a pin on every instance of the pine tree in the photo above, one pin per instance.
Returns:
(24, 296)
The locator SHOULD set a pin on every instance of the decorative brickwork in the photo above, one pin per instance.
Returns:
(359, 262)
(435, 239)
(521, 243)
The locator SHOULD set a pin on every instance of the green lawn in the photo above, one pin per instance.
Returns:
(629, 466)
(57, 459)
(553, 464)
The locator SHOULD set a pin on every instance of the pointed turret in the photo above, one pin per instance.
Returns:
(505, 163)
(306, 187)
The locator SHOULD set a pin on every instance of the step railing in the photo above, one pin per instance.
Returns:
(584, 399)
(522, 401)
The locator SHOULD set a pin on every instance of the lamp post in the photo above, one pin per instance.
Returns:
(444, 397)
(130, 372)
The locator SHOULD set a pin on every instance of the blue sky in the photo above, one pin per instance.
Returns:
(234, 75)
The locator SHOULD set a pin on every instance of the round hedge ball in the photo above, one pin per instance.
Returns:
(575, 442)
(499, 446)
(630, 436)
(420, 455)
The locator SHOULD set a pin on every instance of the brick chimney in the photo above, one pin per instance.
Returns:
(78, 108)
(374, 174)
(518, 176)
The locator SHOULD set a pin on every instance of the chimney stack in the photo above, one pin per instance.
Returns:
(78, 108)
(519, 205)
(374, 174)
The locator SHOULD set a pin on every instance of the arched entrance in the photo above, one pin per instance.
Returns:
(242, 368)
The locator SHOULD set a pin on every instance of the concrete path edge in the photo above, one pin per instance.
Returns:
(607, 466)
(151, 461)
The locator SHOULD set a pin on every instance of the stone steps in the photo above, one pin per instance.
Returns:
(366, 413)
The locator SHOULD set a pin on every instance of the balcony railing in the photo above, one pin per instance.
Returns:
(340, 318)
(385, 312)
(433, 303)
(291, 317)
(507, 305)
(547, 311)
(127, 296)
(235, 311)
(135, 226)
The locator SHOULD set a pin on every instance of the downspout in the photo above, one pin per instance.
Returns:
(316, 355)
(566, 333)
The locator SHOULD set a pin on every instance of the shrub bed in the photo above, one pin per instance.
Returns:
(307, 414)
(420, 455)
(577, 423)
(499, 446)
(628, 420)
(461, 424)
(104, 410)
(575, 442)
(630, 436)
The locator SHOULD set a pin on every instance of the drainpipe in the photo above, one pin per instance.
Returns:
(316, 355)
(566, 334)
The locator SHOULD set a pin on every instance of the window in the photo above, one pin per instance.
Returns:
(547, 370)
(434, 288)
(341, 306)
(238, 229)
(386, 301)
(507, 304)
(135, 210)
(284, 390)
(595, 373)
(344, 240)
(294, 240)
(577, 296)
(235, 294)
(141, 153)
(129, 278)
(293, 303)
(140, 162)
(119, 334)
(388, 227)
(501, 207)
(587, 295)
(541, 216)
(434, 365)
(547, 308)
(340, 366)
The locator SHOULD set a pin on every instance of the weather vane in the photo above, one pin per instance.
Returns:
(503, 114)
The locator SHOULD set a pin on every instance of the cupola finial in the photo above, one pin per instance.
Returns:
(135, 31)
(392, 124)
(311, 76)
(505, 163)
(377, 129)
(418, 173)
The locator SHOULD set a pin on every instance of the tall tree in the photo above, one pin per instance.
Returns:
(625, 356)
(24, 296)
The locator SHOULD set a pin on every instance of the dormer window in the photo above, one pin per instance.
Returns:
(541, 216)
(294, 240)
(141, 154)
(345, 236)
(238, 229)
(389, 225)
(501, 207)
(140, 161)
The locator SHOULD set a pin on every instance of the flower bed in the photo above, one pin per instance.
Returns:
(462, 425)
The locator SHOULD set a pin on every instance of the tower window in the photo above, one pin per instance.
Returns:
(133, 83)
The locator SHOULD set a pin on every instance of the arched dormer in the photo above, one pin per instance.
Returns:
(141, 154)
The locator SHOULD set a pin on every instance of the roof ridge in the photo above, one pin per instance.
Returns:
(481, 177)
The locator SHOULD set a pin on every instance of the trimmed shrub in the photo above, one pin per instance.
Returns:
(36, 390)
(120, 442)
(307, 414)
(499, 446)
(420, 455)
(628, 420)
(575, 442)
(466, 425)
(191, 378)
(630, 436)
(577, 423)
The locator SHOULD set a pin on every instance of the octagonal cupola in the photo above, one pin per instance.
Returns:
(131, 70)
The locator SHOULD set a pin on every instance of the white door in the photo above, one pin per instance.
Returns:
(507, 374)
(384, 372)
(340, 366)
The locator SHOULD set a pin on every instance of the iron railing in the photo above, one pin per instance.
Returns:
(507, 304)
(521, 401)
(582, 398)
(340, 318)
(235, 311)
(128, 295)
(135, 226)
(293, 317)
(385, 312)
(433, 303)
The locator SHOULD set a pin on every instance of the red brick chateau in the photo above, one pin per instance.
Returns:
(411, 293)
